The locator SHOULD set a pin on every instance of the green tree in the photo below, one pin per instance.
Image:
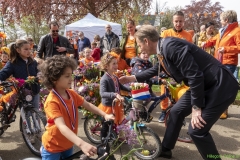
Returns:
(200, 12)
(13, 32)
(166, 17)
(33, 28)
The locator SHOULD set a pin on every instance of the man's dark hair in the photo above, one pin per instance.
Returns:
(54, 23)
(178, 13)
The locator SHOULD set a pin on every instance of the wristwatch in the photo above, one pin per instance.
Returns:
(195, 107)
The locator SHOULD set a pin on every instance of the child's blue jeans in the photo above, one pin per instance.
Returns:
(55, 156)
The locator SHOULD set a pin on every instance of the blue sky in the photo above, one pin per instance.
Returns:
(227, 4)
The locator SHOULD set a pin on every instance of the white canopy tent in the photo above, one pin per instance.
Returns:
(91, 26)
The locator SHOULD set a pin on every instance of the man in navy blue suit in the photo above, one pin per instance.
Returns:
(212, 87)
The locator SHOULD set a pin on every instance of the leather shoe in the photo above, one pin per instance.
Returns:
(166, 154)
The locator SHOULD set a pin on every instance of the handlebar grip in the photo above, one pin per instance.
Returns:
(163, 75)
(6, 83)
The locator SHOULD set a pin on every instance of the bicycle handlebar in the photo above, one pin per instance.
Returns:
(101, 149)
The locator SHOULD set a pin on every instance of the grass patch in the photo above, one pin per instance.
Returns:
(238, 96)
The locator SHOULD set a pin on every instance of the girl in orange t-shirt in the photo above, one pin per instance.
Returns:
(61, 110)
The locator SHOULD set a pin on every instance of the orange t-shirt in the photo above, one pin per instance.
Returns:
(85, 61)
(130, 50)
(183, 34)
(122, 64)
(53, 140)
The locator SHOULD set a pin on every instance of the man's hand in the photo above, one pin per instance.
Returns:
(203, 44)
(197, 120)
(61, 49)
(127, 79)
(221, 50)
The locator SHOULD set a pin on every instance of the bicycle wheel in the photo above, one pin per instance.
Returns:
(36, 121)
(183, 134)
(149, 142)
(92, 129)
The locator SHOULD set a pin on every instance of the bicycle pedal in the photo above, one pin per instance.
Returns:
(149, 119)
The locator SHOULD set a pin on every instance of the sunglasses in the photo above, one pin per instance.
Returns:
(55, 30)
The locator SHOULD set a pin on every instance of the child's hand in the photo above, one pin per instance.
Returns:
(108, 117)
(120, 98)
(88, 149)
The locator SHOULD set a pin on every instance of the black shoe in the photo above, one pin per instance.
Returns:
(112, 157)
(166, 154)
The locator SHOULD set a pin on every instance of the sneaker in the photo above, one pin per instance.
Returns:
(166, 154)
(162, 117)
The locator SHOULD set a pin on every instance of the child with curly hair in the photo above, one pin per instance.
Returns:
(109, 90)
(61, 108)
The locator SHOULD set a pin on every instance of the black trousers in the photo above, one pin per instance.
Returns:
(210, 113)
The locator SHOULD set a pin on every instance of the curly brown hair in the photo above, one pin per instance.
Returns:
(106, 59)
(53, 68)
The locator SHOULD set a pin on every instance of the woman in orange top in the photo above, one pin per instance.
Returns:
(88, 60)
(128, 43)
(61, 108)
(227, 43)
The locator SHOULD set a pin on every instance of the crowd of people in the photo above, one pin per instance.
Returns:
(205, 62)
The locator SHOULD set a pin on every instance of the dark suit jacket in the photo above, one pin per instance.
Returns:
(199, 70)
(107, 89)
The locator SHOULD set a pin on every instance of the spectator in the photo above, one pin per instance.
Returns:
(128, 43)
(95, 52)
(179, 32)
(33, 46)
(53, 43)
(109, 40)
(122, 65)
(88, 59)
(212, 88)
(140, 64)
(227, 43)
(83, 42)
(206, 35)
(196, 35)
(4, 59)
(81, 55)
(97, 39)
(236, 72)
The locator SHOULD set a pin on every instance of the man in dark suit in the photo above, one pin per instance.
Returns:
(212, 88)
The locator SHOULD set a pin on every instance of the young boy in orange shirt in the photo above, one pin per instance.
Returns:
(61, 108)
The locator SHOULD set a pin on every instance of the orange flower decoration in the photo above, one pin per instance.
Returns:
(91, 93)
(115, 55)
(3, 35)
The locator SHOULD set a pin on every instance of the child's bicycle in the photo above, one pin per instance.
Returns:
(171, 93)
(32, 121)
(147, 139)
(101, 148)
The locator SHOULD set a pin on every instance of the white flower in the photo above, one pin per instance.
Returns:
(80, 89)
